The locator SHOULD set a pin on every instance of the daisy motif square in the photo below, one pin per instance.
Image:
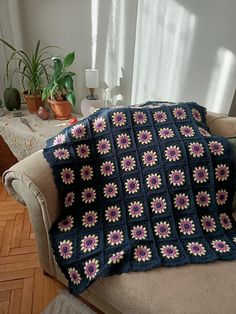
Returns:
(159, 205)
(79, 131)
(68, 176)
(116, 258)
(119, 118)
(154, 181)
(89, 243)
(127, 163)
(124, 141)
(107, 168)
(91, 266)
(217, 147)
(103, 146)
(66, 249)
(182, 201)
(139, 231)
(144, 136)
(177, 178)
(143, 253)
(74, 276)
(113, 213)
(198, 249)
(200, 173)
(166, 133)
(110, 190)
(115, 237)
(61, 154)
(132, 185)
(89, 218)
(136, 209)
(179, 113)
(172, 252)
(172, 152)
(163, 228)
(140, 117)
(211, 224)
(160, 116)
(187, 130)
(226, 221)
(222, 246)
(204, 198)
(187, 225)
(198, 114)
(83, 150)
(195, 149)
(149, 157)
(99, 125)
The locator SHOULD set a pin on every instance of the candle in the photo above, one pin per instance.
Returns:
(92, 78)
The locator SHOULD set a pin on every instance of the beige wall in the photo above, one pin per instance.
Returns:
(198, 65)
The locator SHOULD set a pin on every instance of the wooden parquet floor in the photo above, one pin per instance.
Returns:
(23, 286)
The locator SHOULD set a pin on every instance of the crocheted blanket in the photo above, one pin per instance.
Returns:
(140, 187)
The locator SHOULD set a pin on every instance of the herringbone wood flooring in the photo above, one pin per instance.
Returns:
(23, 286)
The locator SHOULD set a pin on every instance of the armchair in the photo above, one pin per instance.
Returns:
(190, 289)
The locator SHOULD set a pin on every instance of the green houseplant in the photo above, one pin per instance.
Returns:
(60, 90)
(34, 72)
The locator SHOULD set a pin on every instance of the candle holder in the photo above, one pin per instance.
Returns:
(92, 82)
(92, 96)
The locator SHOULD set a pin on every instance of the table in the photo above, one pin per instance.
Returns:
(20, 140)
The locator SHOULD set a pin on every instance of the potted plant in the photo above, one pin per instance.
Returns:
(60, 90)
(34, 71)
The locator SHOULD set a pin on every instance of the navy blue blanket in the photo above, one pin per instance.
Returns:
(140, 188)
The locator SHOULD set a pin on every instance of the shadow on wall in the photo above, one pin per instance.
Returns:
(218, 98)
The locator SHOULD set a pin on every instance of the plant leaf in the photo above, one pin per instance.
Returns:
(69, 59)
(68, 82)
(71, 98)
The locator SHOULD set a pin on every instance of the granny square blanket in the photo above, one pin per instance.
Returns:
(140, 187)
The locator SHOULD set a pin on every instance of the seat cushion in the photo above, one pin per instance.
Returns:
(206, 289)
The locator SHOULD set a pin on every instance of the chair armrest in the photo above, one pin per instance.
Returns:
(220, 124)
(31, 182)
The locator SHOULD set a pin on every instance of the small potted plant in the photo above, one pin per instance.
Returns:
(60, 90)
(34, 72)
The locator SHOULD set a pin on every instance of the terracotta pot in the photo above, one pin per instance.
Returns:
(61, 108)
(33, 102)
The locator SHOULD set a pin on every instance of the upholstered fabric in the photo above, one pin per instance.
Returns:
(175, 290)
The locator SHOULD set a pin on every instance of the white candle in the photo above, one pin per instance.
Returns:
(92, 78)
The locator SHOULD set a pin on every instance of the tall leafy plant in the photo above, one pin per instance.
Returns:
(61, 86)
(34, 69)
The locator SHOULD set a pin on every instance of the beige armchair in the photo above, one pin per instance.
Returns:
(187, 289)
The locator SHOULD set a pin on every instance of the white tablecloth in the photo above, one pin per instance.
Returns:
(20, 139)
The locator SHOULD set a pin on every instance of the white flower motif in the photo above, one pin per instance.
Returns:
(132, 185)
(128, 163)
(115, 237)
(99, 125)
(59, 139)
(116, 257)
(86, 173)
(142, 253)
(88, 195)
(83, 151)
(78, 131)
(153, 181)
(61, 154)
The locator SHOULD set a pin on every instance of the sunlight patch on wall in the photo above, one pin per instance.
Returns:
(94, 29)
(115, 46)
(165, 34)
(222, 86)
